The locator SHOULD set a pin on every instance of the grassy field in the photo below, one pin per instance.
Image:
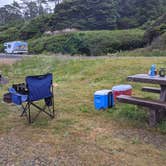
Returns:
(80, 135)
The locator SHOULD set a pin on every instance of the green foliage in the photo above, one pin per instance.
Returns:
(91, 15)
(156, 29)
(130, 113)
(88, 15)
(1, 48)
(9, 35)
(10, 32)
(145, 52)
(85, 15)
(105, 14)
(159, 43)
(162, 127)
(89, 42)
(34, 28)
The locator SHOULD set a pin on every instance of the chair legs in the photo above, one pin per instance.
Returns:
(27, 111)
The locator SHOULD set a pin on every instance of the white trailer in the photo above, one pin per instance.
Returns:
(16, 47)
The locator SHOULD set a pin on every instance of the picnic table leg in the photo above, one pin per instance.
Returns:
(153, 117)
(158, 115)
(162, 114)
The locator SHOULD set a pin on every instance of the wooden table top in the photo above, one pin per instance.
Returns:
(145, 78)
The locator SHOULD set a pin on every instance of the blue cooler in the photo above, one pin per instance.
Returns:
(103, 99)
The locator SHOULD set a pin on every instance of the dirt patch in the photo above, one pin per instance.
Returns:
(78, 139)
(7, 61)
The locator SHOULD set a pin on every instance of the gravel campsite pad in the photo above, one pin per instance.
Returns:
(78, 139)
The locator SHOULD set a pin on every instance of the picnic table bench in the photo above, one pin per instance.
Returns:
(142, 102)
(151, 89)
(157, 108)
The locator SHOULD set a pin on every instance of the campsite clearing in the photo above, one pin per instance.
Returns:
(80, 135)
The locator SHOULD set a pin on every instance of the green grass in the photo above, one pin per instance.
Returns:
(78, 129)
(79, 79)
(63, 125)
(144, 52)
(162, 127)
(130, 112)
(4, 114)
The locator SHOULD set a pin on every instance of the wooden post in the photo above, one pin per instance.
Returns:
(162, 114)
(153, 117)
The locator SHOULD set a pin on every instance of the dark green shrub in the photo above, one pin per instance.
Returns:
(156, 29)
(9, 35)
(34, 28)
(1, 48)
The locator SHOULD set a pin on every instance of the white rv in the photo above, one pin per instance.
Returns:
(16, 47)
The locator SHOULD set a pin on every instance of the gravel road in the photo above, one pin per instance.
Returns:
(10, 59)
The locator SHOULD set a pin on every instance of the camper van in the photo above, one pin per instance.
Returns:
(16, 47)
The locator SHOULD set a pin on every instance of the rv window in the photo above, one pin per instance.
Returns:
(9, 46)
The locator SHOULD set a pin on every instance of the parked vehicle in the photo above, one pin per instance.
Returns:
(16, 47)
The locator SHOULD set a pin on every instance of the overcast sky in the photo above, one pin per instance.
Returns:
(4, 2)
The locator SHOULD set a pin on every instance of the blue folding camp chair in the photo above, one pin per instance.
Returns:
(38, 88)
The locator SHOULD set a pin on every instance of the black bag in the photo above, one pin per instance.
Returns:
(48, 101)
(20, 88)
(7, 98)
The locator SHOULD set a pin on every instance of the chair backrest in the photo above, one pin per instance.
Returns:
(39, 87)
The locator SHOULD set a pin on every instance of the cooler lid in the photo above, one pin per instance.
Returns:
(103, 92)
(121, 87)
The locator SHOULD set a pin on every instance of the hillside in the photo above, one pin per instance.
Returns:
(89, 42)
(94, 15)
(91, 15)
(97, 15)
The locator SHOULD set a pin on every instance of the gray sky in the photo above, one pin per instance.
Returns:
(4, 2)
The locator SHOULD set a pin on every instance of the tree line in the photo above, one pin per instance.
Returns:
(86, 14)
(26, 10)
(106, 14)
(35, 15)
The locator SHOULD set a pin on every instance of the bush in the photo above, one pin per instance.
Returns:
(9, 35)
(89, 42)
(156, 29)
(34, 28)
(159, 43)
(1, 48)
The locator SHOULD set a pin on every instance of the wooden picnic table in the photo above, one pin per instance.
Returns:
(145, 78)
